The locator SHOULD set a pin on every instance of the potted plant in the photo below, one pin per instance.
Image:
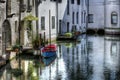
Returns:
(35, 43)
(16, 47)
(17, 72)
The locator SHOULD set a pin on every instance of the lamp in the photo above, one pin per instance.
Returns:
(10, 15)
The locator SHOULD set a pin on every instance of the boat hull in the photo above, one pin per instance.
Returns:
(48, 61)
(49, 54)
(49, 48)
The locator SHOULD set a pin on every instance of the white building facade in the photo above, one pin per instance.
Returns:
(96, 15)
(47, 18)
(12, 24)
(104, 15)
(62, 16)
(112, 16)
(28, 27)
(2, 18)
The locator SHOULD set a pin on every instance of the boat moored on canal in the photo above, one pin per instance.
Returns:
(48, 61)
(49, 50)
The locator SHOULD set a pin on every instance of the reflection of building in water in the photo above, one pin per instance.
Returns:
(76, 60)
(95, 48)
(28, 68)
(112, 52)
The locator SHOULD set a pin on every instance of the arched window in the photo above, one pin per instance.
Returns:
(114, 18)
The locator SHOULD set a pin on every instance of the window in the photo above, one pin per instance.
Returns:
(81, 17)
(77, 17)
(113, 48)
(53, 22)
(72, 1)
(84, 17)
(33, 2)
(57, 0)
(42, 23)
(114, 18)
(22, 2)
(78, 2)
(16, 26)
(73, 17)
(29, 6)
(28, 3)
(8, 7)
(68, 7)
(68, 24)
(90, 18)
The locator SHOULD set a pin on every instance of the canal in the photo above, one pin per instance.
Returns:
(93, 58)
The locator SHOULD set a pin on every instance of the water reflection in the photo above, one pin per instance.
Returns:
(94, 58)
(112, 58)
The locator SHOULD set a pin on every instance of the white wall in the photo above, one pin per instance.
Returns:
(45, 6)
(96, 7)
(44, 9)
(84, 13)
(24, 35)
(2, 18)
(109, 9)
(68, 18)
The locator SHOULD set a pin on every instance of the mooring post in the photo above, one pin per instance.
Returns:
(40, 41)
(44, 38)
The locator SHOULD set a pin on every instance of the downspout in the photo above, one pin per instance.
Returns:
(36, 12)
(57, 17)
(87, 15)
(104, 14)
(19, 22)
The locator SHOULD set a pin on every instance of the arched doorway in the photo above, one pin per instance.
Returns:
(6, 35)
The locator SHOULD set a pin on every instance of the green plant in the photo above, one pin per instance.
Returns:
(17, 72)
(68, 34)
(16, 47)
(35, 43)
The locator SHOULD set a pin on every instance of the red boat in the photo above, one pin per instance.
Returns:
(48, 48)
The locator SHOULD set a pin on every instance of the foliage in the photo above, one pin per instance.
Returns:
(30, 17)
(35, 43)
(16, 47)
(68, 34)
(17, 72)
(30, 72)
(68, 45)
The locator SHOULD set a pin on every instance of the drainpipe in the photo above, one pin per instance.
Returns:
(50, 26)
(104, 14)
(57, 17)
(36, 12)
(87, 15)
(19, 22)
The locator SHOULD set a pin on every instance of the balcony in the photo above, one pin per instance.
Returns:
(23, 7)
(2, 1)
(29, 9)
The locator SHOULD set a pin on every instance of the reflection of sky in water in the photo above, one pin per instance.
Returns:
(50, 72)
(94, 58)
(89, 60)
